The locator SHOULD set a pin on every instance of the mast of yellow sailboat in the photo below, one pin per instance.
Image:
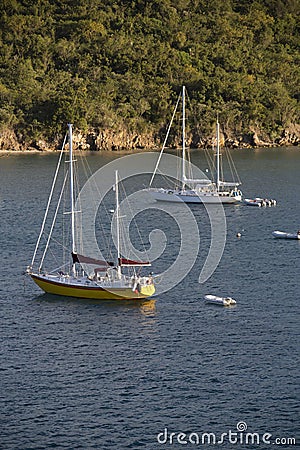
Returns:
(218, 154)
(72, 194)
(183, 139)
(118, 223)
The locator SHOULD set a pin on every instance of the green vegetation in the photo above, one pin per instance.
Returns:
(121, 63)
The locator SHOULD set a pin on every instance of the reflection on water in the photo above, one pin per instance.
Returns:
(146, 307)
(148, 310)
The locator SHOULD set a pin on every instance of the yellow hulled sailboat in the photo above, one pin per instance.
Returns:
(105, 280)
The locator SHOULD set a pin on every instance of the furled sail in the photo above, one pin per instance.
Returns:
(203, 181)
(130, 262)
(229, 183)
(77, 258)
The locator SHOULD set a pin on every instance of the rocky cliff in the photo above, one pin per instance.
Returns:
(122, 140)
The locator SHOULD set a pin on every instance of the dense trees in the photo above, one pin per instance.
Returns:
(120, 64)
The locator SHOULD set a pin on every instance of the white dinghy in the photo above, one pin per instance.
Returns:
(260, 202)
(283, 235)
(223, 301)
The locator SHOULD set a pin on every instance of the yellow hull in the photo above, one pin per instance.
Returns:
(96, 293)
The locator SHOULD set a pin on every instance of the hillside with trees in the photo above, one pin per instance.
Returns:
(115, 68)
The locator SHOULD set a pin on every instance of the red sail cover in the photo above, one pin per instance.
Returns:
(87, 260)
(130, 262)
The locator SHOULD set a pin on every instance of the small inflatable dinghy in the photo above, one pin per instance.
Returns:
(259, 202)
(283, 235)
(223, 301)
(252, 202)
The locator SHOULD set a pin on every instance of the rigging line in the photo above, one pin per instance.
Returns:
(213, 163)
(53, 222)
(60, 245)
(94, 188)
(169, 183)
(54, 257)
(229, 165)
(49, 201)
(66, 235)
(210, 162)
(173, 179)
(189, 113)
(58, 268)
(178, 168)
(221, 159)
(190, 169)
(134, 222)
(78, 217)
(118, 224)
(235, 172)
(123, 226)
(186, 147)
(165, 141)
(221, 166)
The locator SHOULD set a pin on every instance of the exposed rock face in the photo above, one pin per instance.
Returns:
(9, 141)
(123, 140)
(290, 136)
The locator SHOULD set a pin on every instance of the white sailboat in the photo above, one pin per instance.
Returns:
(196, 190)
(71, 279)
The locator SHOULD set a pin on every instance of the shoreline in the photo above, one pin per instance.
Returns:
(119, 152)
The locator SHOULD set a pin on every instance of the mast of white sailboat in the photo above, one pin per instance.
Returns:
(218, 154)
(165, 141)
(118, 223)
(72, 192)
(183, 138)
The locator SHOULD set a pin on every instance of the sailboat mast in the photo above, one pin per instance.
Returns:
(118, 222)
(72, 191)
(218, 155)
(183, 138)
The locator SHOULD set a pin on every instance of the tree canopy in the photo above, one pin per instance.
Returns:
(122, 63)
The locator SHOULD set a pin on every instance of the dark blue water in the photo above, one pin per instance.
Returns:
(78, 374)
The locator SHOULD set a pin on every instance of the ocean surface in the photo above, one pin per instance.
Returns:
(170, 372)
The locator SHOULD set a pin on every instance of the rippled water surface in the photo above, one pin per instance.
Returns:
(113, 375)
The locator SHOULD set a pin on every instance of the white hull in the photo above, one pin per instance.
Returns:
(165, 195)
(250, 202)
(223, 301)
(283, 235)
